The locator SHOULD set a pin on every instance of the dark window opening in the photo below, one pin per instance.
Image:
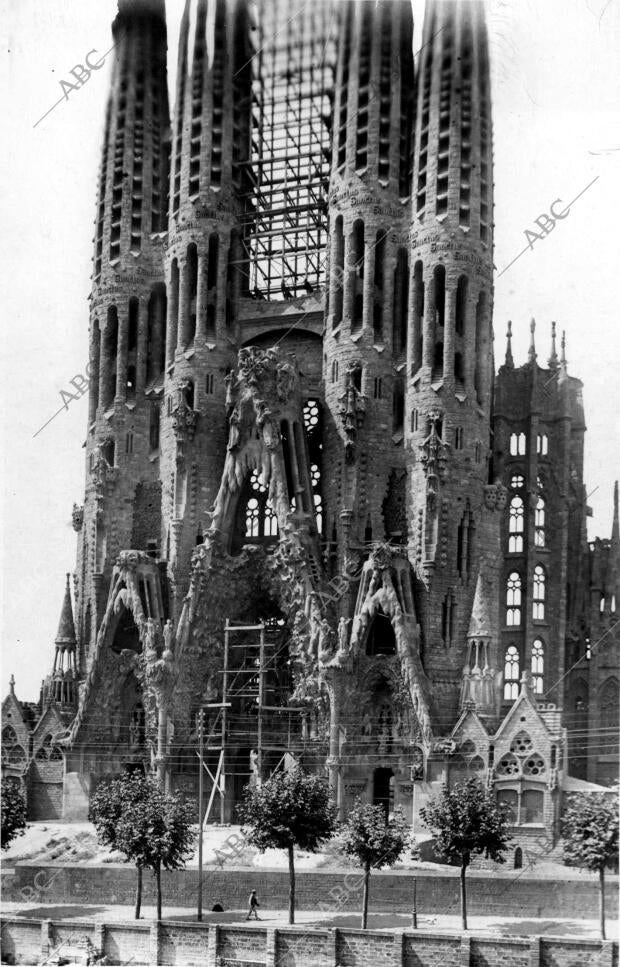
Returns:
(461, 305)
(401, 298)
(381, 638)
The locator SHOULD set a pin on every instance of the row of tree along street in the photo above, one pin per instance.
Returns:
(294, 810)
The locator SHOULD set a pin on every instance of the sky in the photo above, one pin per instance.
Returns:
(556, 111)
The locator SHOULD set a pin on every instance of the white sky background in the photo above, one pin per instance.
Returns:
(556, 104)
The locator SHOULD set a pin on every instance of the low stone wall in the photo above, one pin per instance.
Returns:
(507, 895)
(32, 941)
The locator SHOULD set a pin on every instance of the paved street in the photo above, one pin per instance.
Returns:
(516, 926)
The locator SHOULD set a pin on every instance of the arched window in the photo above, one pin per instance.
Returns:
(517, 444)
(260, 517)
(379, 284)
(542, 444)
(381, 638)
(539, 523)
(513, 600)
(511, 674)
(538, 596)
(400, 301)
(515, 526)
(608, 704)
(356, 269)
(538, 666)
(252, 518)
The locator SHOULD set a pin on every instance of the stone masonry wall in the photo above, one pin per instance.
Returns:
(26, 941)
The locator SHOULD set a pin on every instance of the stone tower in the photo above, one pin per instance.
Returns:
(210, 150)
(122, 506)
(449, 371)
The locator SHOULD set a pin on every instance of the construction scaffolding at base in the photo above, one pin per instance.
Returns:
(239, 719)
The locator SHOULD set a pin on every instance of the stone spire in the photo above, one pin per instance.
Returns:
(531, 355)
(60, 686)
(12, 684)
(480, 623)
(563, 374)
(66, 628)
(478, 676)
(509, 361)
(615, 528)
(553, 358)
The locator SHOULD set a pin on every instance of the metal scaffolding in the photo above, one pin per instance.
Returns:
(292, 90)
(242, 716)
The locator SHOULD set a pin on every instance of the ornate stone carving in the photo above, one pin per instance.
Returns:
(434, 458)
(495, 496)
(184, 418)
(352, 409)
(77, 517)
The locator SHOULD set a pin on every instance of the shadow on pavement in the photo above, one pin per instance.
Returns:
(57, 912)
(555, 927)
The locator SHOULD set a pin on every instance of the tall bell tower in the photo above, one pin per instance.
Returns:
(449, 372)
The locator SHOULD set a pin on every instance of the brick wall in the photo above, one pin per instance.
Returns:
(28, 941)
(389, 892)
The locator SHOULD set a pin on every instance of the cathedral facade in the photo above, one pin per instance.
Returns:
(317, 525)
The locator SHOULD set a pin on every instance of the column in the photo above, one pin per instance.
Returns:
(416, 302)
(469, 346)
(105, 365)
(428, 345)
(448, 336)
(348, 284)
(173, 314)
(94, 376)
(223, 282)
(183, 305)
(201, 300)
(121, 356)
(142, 349)
(370, 254)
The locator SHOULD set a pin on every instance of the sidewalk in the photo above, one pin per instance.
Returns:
(504, 926)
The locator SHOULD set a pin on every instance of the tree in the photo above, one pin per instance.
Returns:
(13, 812)
(590, 831)
(290, 809)
(374, 842)
(465, 821)
(133, 815)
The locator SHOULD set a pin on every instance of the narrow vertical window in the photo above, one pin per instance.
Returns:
(337, 272)
(516, 526)
(513, 600)
(356, 273)
(191, 268)
(379, 285)
(511, 674)
(461, 305)
(398, 407)
(538, 596)
(401, 298)
(538, 666)
(539, 523)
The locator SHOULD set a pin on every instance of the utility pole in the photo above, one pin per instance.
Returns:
(222, 777)
(200, 798)
(261, 699)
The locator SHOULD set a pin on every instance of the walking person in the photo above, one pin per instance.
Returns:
(254, 904)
